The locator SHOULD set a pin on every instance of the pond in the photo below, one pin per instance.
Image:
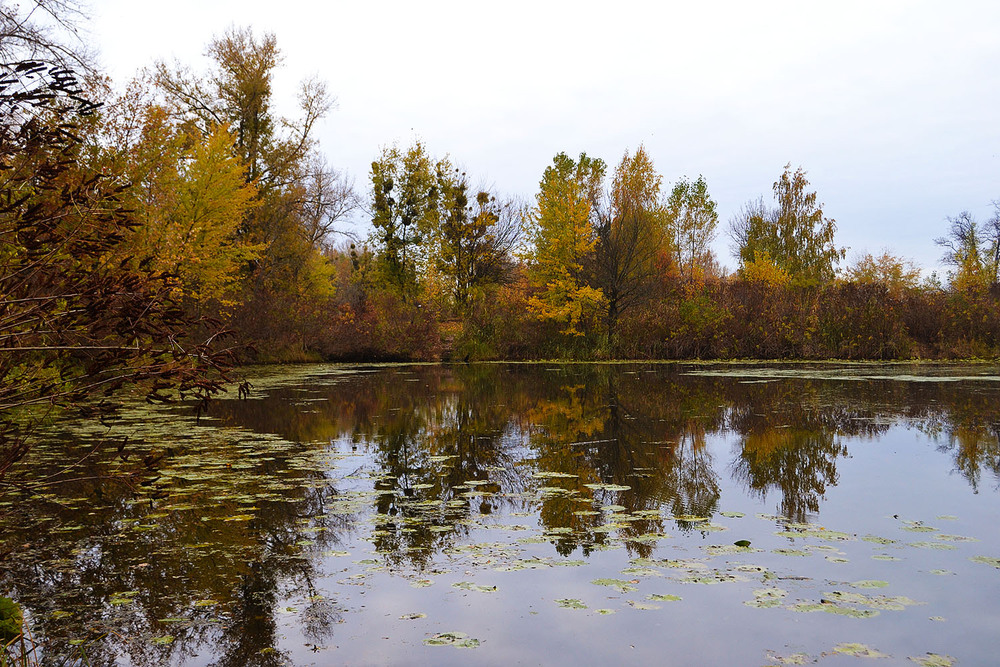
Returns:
(523, 514)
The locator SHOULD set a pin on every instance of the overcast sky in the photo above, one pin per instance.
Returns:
(893, 108)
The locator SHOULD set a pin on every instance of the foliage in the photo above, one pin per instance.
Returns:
(404, 199)
(11, 620)
(973, 249)
(474, 242)
(561, 230)
(299, 199)
(692, 221)
(895, 274)
(189, 195)
(632, 237)
(795, 235)
(77, 322)
(762, 269)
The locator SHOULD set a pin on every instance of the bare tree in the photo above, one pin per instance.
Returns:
(46, 31)
(328, 200)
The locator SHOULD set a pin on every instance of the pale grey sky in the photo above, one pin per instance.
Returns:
(891, 106)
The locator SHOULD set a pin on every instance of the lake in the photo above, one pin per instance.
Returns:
(548, 513)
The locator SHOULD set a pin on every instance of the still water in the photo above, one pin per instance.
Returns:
(524, 514)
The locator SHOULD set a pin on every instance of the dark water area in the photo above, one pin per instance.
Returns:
(523, 514)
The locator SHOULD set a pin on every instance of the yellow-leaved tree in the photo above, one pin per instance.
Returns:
(190, 194)
(562, 232)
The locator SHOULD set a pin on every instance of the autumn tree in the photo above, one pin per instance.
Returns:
(78, 323)
(692, 219)
(299, 200)
(188, 193)
(561, 229)
(973, 248)
(475, 239)
(631, 237)
(896, 274)
(404, 208)
(794, 235)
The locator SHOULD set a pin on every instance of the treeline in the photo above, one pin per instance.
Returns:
(244, 226)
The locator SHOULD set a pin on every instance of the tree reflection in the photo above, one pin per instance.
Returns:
(207, 545)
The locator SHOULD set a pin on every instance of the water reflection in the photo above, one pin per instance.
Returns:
(204, 545)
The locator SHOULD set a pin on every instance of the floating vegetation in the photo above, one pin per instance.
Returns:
(570, 603)
(713, 578)
(767, 597)
(791, 659)
(620, 585)
(324, 520)
(933, 545)
(917, 527)
(730, 549)
(608, 487)
(469, 586)
(859, 651)
(791, 552)
(643, 606)
(833, 608)
(118, 599)
(955, 538)
(934, 660)
(456, 639)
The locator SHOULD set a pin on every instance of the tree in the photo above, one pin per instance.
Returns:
(973, 249)
(631, 237)
(404, 199)
(78, 323)
(692, 221)
(474, 239)
(189, 196)
(299, 199)
(561, 230)
(795, 235)
(896, 274)
(44, 31)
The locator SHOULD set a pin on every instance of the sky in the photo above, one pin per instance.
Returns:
(891, 107)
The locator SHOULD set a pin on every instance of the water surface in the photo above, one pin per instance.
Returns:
(530, 513)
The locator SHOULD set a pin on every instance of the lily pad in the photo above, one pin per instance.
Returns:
(571, 603)
(859, 651)
(619, 584)
(987, 560)
(934, 660)
(469, 586)
(456, 639)
(643, 606)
